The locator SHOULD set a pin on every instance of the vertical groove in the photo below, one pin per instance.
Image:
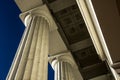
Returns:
(22, 64)
(62, 70)
(29, 63)
(45, 52)
(18, 55)
(66, 72)
(59, 77)
(72, 72)
(56, 72)
(43, 57)
(37, 53)
(69, 71)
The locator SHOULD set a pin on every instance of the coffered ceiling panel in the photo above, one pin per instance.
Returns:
(72, 24)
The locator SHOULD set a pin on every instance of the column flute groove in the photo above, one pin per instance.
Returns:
(37, 53)
(45, 51)
(59, 71)
(40, 62)
(23, 60)
(29, 63)
(41, 57)
(43, 60)
(14, 67)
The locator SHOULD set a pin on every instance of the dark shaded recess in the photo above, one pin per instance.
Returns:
(87, 57)
(94, 70)
(50, 1)
(118, 5)
(89, 63)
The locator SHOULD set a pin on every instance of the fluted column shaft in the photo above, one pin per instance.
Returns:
(33, 63)
(63, 71)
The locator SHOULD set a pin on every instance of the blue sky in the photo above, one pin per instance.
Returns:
(11, 29)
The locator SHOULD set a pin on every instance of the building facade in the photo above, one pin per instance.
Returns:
(75, 36)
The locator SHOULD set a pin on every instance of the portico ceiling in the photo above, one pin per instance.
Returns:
(74, 32)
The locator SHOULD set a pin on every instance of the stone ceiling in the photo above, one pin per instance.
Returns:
(68, 17)
(72, 24)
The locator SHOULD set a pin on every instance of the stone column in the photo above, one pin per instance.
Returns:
(63, 71)
(33, 63)
(65, 68)
(31, 59)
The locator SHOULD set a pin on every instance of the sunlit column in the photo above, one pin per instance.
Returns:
(34, 59)
(17, 58)
(64, 67)
(63, 71)
(31, 59)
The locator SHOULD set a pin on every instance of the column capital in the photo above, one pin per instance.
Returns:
(64, 56)
(41, 11)
(64, 66)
